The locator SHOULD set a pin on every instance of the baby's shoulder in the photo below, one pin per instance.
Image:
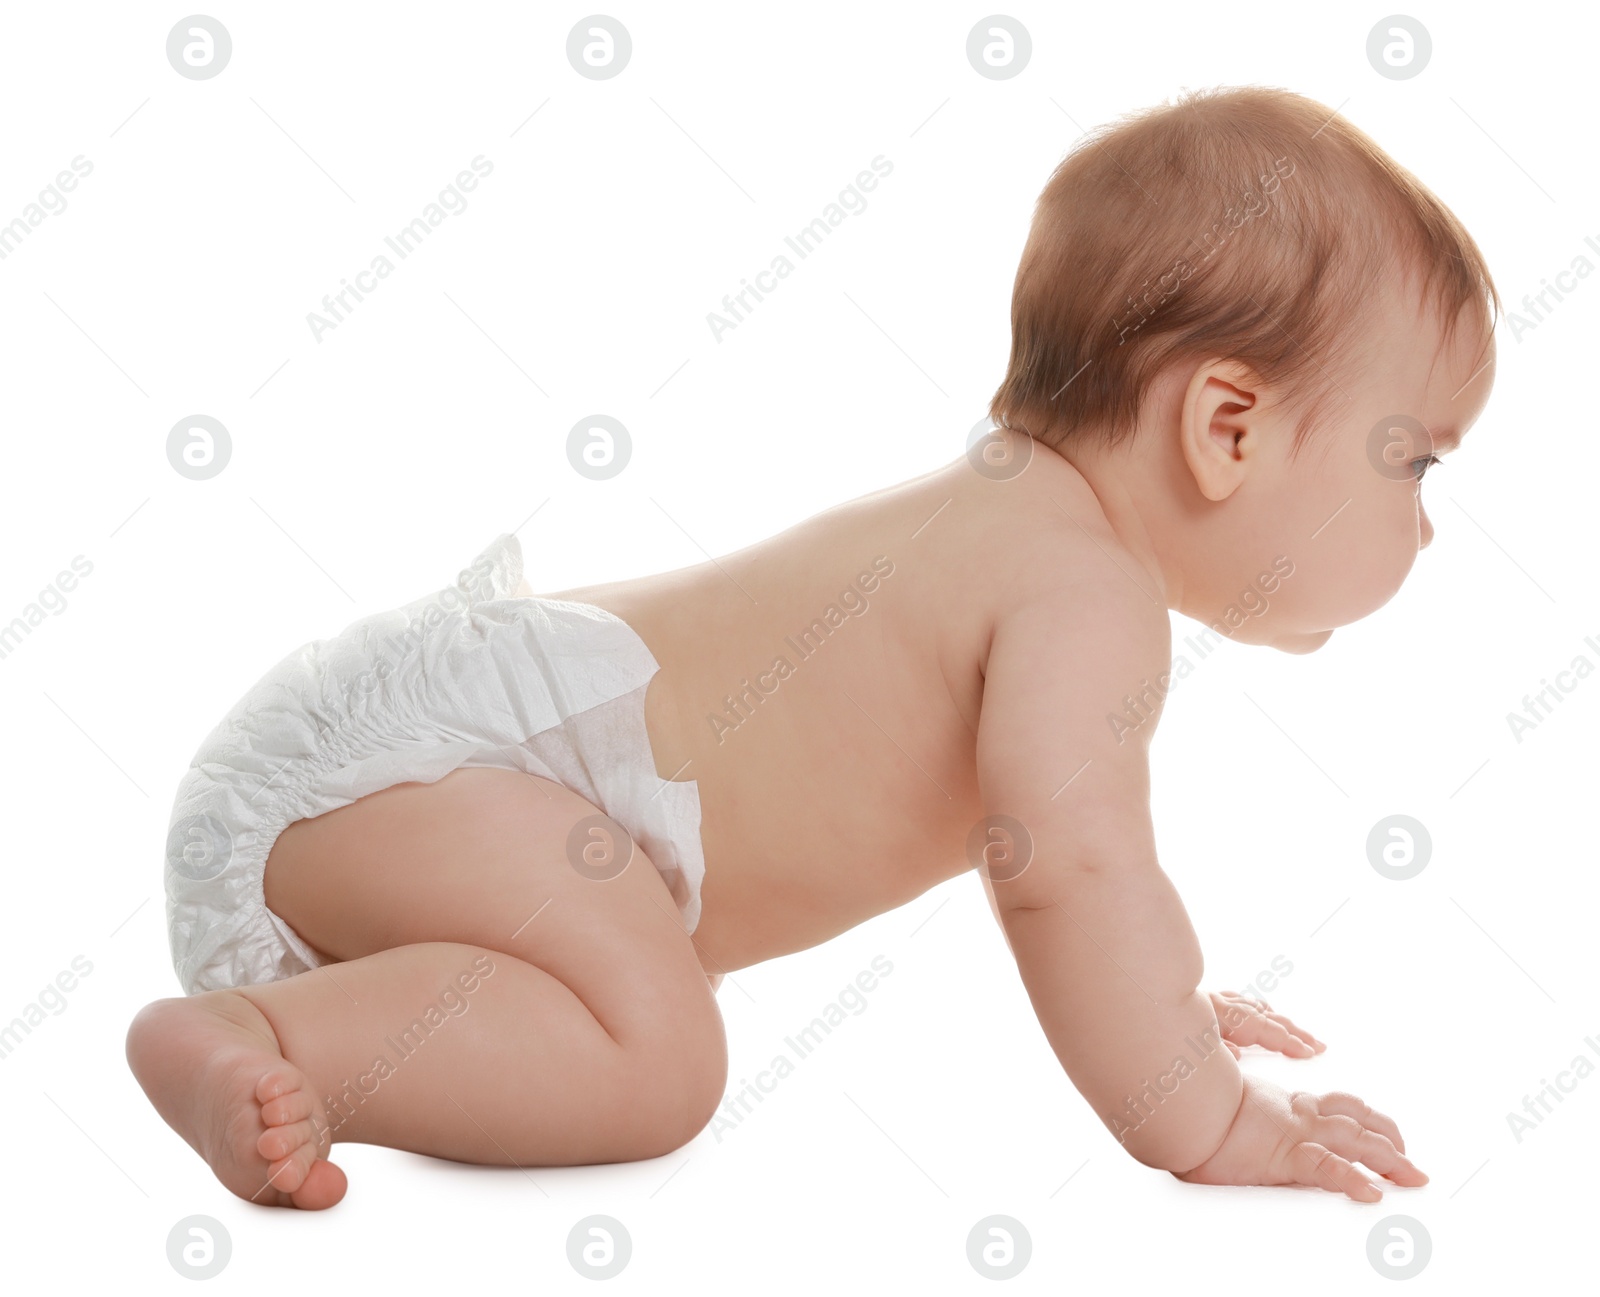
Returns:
(1097, 613)
(1069, 650)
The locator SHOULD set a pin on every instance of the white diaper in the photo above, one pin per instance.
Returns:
(471, 675)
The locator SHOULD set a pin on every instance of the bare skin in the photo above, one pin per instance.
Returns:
(1005, 619)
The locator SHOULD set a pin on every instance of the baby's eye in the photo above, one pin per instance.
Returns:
(1427, 461)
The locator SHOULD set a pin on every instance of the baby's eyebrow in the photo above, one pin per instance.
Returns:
(1445, 438)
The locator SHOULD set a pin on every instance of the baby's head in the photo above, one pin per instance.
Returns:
(1251, 331)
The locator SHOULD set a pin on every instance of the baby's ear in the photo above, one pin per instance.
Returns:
(1218, 426)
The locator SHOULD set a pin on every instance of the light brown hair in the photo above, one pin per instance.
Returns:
(1243, 223)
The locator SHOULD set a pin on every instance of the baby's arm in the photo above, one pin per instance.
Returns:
(1101, 938)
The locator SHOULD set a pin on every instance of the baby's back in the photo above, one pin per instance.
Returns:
(824, 686)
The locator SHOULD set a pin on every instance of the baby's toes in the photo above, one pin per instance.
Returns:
(287, 1174)
(279, 1082)
(294, 1106)
(324, 1185)
(278, 1142)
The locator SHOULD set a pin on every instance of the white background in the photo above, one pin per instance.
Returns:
(370, 466)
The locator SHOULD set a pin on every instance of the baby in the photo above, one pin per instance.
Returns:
(464, 878)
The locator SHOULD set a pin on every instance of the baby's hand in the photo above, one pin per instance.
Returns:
(1251, 1022)
(1284, 1137)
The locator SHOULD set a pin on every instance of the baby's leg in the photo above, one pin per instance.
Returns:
(594, 1038)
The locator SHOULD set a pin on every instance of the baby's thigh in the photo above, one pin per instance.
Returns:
(482, 856)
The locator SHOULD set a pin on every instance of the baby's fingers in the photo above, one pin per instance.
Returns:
(1322, 1168)
(1251, 1027)
(1347, 1137)
(1338, 1103)
(1300, 1032)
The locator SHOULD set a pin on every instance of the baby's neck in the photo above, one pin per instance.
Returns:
(1141, 511)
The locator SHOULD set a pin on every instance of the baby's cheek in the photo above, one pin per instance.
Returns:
(1355, 579)
(1387, 544)
(1393, 563)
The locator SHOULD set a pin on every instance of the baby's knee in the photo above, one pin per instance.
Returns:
(676, 1085)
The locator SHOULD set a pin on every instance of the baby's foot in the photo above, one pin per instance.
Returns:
(211, 1065)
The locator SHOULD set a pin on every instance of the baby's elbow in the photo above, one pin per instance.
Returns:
(1176, 1145)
